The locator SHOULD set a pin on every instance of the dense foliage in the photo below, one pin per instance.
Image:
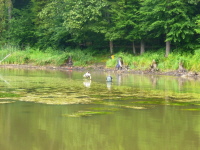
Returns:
(126, 25)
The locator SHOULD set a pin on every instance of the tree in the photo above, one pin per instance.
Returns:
(5, 15)
(80, 17)
(197, 29)
(109, 27)
(124, 15)
(50, 29)
(198, 25)
(2, 17)
(173, 18)
(21, 28)
(9, 6)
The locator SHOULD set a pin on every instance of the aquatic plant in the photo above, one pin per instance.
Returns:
(86, 113)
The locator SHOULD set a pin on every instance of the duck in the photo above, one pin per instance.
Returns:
(87, 75)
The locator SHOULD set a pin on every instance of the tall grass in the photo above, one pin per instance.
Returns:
(46, 57)
(86, 57)
(194, 63)
(142, 62)
(80, 57)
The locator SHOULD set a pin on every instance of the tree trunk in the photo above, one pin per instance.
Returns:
(111, 47)
(167, 48)
(9, 4)
(142, 47)
(134, 50)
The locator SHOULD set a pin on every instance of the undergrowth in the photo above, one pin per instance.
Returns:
(190, 62)
(46, 57)
(34, 56)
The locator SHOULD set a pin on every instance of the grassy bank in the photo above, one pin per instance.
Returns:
(190, 61)
(48, 57)
(12, 55)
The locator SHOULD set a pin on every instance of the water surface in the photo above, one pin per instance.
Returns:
(42, 110)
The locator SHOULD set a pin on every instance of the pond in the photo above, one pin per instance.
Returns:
(59, 110)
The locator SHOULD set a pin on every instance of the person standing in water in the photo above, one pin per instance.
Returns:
(119, 64)
(109, 79)
(109, 82)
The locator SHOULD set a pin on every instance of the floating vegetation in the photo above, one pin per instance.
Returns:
(3, 94)
(192, 109)
(93, 111)
(105, 109)
(87, 113)
(6, 102)
(133, 107)
(47, 89)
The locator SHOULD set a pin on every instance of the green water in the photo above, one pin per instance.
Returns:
(59, 110)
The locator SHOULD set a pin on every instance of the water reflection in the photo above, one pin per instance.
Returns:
(44, 86)
(34, 126)
(144, 112)
(87, 83)
(109, 85)
(154, 80)
(119, 79)
(4, 80)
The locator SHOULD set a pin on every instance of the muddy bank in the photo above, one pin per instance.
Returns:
(100, 67)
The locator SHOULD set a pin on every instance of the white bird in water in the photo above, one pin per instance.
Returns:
(87, 75)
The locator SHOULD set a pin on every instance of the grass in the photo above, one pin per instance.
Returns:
(87, 57)
(142, 62)
(46, 57)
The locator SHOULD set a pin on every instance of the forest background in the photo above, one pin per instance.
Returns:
(48, 32)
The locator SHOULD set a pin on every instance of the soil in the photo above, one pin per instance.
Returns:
(102, 67)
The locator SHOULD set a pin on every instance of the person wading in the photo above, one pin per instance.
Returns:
(119, 64)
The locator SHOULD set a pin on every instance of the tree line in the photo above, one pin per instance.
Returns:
(101, 23)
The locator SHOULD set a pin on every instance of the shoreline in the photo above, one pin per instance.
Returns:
(186, 74)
